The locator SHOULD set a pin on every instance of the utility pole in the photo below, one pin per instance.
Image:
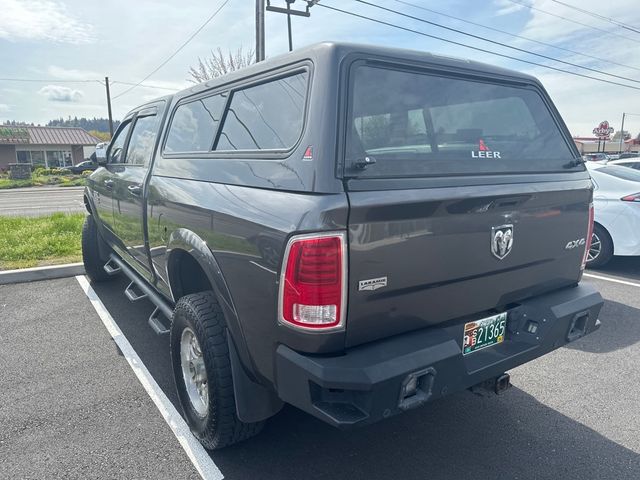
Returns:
(106, 83)
(289, 2)
(260, 47)
(289, 11)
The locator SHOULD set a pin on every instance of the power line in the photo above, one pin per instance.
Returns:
(145, 85)
(475, 24)
(479, 49)
(495, 42)
(531, 7)
(47, 80)
(597, 15)
(191, 37)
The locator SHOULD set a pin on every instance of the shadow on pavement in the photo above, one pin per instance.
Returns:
(628, 267)
(464, 436)
(620, 329)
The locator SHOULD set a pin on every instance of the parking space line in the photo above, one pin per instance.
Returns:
(614, 280)
(194, 450)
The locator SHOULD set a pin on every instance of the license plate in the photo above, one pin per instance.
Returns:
(484, 333)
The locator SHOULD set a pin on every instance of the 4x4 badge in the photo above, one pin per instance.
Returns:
(501, 240)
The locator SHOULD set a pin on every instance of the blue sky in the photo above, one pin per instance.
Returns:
(64, 41)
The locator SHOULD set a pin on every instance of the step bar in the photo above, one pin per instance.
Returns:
(139, 289)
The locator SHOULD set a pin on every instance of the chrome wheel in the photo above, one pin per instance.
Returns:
(595, 250)
(193, 372)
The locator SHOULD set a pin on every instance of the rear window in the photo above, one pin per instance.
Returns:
(404, 123)
(622, 173)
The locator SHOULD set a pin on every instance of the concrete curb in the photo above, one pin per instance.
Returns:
(41, 273)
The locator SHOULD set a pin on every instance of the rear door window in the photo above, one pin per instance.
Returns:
(268, 116)
(409, 123)
(142, 140)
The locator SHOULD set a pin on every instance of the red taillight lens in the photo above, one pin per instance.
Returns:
(312, 294)
(587, 244)
(631, 198)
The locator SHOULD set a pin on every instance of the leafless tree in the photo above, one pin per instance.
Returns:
(218, 64)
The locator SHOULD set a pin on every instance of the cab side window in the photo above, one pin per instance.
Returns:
(116, 150)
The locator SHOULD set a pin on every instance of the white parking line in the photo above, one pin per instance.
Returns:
(195, 451)
(614, 280)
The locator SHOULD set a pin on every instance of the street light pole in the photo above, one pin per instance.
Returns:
(260, 47)
(622, 133)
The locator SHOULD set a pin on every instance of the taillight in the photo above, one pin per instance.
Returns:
(587, 244)
(313, 282)
(631, 198)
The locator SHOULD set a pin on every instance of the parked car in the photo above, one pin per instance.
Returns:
(626, 155)
(617, 213)
(353, 230)
(631, 162)
(83, 166)
(595, 157)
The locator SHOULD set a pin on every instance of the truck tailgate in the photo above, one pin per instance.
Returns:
(421, 257)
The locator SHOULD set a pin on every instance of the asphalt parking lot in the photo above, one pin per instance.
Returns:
(71, 405)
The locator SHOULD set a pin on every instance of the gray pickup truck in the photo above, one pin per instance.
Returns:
(352, 230)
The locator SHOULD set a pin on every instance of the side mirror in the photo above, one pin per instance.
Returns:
(102, 161)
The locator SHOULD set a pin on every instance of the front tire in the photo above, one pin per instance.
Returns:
(93, 264)
(601, 250)
(202, 372)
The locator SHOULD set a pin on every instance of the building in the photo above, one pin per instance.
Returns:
(49, 147)
(592, 145)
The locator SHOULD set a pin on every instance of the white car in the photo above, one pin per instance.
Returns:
(616, 200)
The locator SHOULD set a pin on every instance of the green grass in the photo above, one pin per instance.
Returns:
(34, 241)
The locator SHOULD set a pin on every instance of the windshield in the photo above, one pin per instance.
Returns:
(404, 123)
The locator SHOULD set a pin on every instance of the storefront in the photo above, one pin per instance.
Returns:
(50, 147)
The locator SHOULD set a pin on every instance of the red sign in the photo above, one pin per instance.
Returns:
(603, 131)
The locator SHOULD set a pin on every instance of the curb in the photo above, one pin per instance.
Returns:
(41, 273)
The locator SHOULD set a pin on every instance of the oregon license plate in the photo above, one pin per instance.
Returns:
(484, 333)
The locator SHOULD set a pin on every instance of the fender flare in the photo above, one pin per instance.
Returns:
(254, 402)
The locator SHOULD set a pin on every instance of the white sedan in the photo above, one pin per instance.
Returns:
(616, 200)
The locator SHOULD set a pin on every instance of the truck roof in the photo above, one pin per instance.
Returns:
(323, 52)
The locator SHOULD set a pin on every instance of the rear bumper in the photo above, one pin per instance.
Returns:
(364, 385)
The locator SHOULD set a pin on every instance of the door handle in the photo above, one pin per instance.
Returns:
(108, 184)
(135, 189)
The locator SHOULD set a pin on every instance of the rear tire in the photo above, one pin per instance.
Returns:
(208, 401)
(93, 264)
(601, 250)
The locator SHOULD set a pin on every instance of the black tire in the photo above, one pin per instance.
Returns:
(93, 264)
(220, 426)
(601, 239)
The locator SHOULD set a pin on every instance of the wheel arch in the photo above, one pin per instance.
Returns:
(189, 255)
(608, 232)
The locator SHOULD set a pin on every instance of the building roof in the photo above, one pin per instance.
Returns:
(26, 135)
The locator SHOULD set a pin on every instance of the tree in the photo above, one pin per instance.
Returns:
(616, 136)
(219, 64)
(104, 136)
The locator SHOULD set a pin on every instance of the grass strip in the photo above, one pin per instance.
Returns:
(37, 241)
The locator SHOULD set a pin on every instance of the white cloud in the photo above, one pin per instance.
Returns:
(4, 108)
(57, 93)
(72, 74)
(46, 20)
